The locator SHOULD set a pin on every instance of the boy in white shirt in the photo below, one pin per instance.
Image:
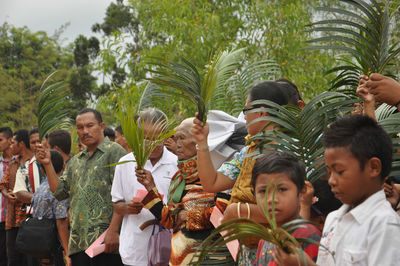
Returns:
(358, 156)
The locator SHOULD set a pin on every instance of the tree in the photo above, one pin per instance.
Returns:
(197, 29)
(26, 59)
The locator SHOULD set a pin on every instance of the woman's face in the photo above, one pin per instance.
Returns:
(185, 143)
(256, 127)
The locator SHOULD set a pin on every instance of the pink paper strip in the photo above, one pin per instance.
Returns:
(216, 218)
(97, 247)
(141, 194)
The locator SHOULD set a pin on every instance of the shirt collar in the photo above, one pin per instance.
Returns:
(363, 210)
(101, 147)
(32, 159)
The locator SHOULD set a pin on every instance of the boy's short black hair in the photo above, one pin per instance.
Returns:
(62, 139)
(22, 135)
(96, 113)
(33, 131)
(7, 132)
(109, 132)
(280, 162)
(363, 137)
(57, 161)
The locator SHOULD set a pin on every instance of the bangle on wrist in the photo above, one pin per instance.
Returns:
(248, 210)
(238, 209)
(202, 148)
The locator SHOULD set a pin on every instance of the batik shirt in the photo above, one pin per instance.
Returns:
(87, 182)
(44, 204)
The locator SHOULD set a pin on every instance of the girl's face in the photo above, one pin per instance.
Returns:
(287, 197)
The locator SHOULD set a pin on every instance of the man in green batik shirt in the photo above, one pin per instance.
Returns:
(88, 184)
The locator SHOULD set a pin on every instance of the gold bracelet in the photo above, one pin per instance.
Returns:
(248, 210)
(238, 209)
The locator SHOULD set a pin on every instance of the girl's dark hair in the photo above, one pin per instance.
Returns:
(280, 162)
(270, 90)
(56, 160)
(363, 137)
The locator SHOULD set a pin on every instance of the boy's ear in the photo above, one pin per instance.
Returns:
(374, 166)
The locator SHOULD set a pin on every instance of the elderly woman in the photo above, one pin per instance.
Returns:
(189, 206)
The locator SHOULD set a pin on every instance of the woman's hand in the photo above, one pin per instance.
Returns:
(145, 178)
(385, 89)
(200, 131)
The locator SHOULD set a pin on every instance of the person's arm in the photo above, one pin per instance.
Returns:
(24, 196)
(43, 156)
(111, 239)
(62, 228)
(306, 200)
(385, 89)
(256, 213)
(211, 179)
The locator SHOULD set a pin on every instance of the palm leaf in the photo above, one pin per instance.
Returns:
(142, 145)
(242, 228)
(232, 97)
(51, 111)
(299, 131)
(184, 80)
(362, 35)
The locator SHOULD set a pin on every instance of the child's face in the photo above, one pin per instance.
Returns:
(287, 197)
(349, 183)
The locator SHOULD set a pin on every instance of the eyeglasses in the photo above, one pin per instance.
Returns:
(245, 110)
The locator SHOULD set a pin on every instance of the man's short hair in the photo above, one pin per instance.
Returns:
(363, 137)
(62, 139)
(109, 132)
(96, 113)
(22, 135)
(33, 131)
(7, 132)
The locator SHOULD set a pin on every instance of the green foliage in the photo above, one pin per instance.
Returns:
(184, 80)
(141, 143)
(364, 35)
(241, 228)
(299, 131)
(231, 97)
(26, 59)
(51, 112)
(172, 29)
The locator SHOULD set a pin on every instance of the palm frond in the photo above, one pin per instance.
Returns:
(299, 132)
(142, 145)
(184, 80)
(242, 228)
(51, 111)
(362, 34)
(232, 97)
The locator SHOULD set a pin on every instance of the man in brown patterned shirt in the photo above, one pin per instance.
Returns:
(15, 213)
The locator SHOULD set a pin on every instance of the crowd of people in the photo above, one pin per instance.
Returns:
(354, 210)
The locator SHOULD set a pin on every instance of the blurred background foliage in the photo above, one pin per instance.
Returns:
(135, 32)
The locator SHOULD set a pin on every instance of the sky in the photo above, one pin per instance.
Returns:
(50, 15)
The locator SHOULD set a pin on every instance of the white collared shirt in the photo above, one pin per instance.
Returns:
(364, 235)
(133, 241)
(22, 177)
